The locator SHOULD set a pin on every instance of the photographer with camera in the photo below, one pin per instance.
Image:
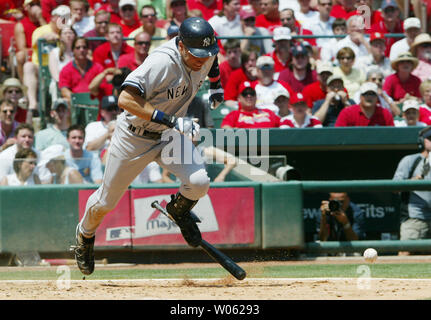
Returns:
(328, 109)
(415, 215)
(337, 220)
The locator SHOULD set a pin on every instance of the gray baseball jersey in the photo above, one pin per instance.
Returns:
(167, 84)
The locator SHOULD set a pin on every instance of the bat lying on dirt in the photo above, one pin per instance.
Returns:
(214, 253)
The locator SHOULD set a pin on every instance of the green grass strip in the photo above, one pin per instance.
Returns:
(404, 270)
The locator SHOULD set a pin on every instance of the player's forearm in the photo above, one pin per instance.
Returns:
(131, 101)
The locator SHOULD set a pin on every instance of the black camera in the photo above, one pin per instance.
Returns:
(334, 205)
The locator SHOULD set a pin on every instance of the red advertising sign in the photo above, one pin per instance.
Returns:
(227, 217)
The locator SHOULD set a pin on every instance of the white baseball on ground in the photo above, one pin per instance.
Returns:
(370, 255)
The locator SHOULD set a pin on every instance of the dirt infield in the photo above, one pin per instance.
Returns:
(252, 288)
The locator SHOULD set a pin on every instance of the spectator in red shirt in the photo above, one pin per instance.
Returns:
(77, 74)
(135, 59)
(367, 112)
(300, 73)
(247, 72)
(248, 116)
(108, 53)
(403, 84)
(232, 62)
(270, 17)
(209, 8)
(317, 90)
(281, 54)
(344, 10)
(129, 17)
(391, 23)
(101, 21)
(299, 118)
(23, 31)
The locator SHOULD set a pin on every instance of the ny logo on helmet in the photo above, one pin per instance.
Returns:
(206, 42)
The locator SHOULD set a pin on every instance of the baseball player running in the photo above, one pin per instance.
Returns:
(155, 98)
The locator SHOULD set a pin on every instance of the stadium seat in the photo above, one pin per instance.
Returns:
(84, 109)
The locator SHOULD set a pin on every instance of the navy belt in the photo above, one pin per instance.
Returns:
(145, 133)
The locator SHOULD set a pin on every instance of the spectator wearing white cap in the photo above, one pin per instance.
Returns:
(410, 115)
(266, 87)
(421, 49)
(367, 112)
(318, 89)
(281, 54)
(53, 159)
(248, 27)
(376, 75)
(328, 108)
(412, 28)
(129, 18)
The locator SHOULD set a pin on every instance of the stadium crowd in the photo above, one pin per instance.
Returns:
(312, 63)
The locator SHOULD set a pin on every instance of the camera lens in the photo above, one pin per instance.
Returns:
(334, 205)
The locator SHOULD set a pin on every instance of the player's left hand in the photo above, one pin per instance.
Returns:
(188, 127)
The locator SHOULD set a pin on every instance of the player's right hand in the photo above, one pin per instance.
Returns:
(188, 127)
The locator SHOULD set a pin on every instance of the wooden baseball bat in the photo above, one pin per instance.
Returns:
(213, 252)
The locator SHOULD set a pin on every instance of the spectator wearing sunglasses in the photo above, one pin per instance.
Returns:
(367, 112)
(352, 76)
(136, 58)
(129, 17)
(376, 75)
(101, 21)
(148, 24)
(248, 115)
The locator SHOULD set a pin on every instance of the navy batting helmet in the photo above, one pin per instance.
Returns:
(198, 37)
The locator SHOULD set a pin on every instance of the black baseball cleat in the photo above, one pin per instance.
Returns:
(84, 253)
(179, 209)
